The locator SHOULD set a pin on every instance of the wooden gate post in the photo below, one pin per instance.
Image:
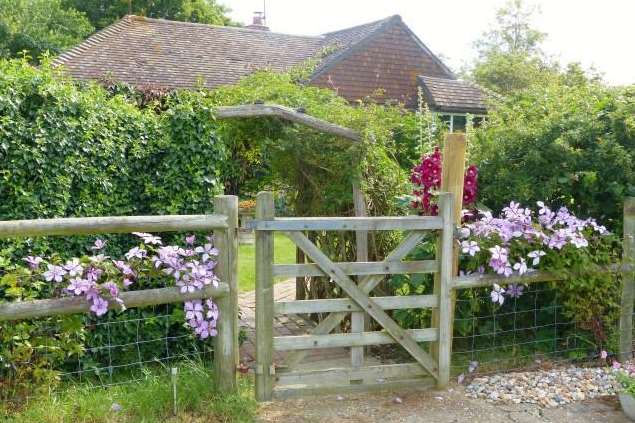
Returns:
(446, 273)
(226, 240)
(452, 178)
(628, 282)
(265, 370)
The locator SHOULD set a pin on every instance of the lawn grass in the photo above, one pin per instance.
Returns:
(284, 253)
(147, 401)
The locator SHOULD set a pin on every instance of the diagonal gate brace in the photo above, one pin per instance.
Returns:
(363, 300)
(367, 284)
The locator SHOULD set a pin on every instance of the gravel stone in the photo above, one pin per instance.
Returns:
(545, 388)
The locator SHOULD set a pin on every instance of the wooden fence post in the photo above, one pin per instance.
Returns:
(224, 347)
(227, 205)
(265, 371)
(446, 273)
(453, 173)
(226, 353)
(628, 282)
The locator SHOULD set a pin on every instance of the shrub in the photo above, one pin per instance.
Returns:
(566, 144)
(68, 150)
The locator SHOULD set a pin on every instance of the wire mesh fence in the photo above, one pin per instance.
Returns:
(528, 331)
(116, 349)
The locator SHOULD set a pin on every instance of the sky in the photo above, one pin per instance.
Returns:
(596, 33)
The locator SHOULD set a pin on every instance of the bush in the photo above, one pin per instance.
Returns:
(568, 144)
(68, 150)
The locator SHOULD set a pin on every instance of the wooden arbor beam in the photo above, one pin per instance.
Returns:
(286, 113)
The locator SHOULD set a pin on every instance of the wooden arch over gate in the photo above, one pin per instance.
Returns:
(295, 116)
(428, 368)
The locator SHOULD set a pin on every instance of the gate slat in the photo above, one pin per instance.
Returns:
(346, 304)
(360, 297)
(337, 340)
(347, 374)
(358, 268)
(389, 223)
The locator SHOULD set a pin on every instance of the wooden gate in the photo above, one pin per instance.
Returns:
(430, 367)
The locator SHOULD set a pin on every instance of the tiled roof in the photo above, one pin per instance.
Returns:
(452, 95)
(340, 43)
(144, 51)
(384, 54)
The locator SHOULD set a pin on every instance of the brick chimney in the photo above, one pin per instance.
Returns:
(258, 22)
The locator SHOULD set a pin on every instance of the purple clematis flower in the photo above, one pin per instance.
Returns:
(188, 284)
(124, 267)
(515, 290)
(33, 261)
(579, 241)
(99, 245)
(193, 310)
(79, 286)
(212, 310)
(498, 294)
(470, 247)
(74, 268)
(206, 329)
(148, 238)
(206, 251)
(521, 267)
(136, 252)
(535, 255)
(112, 288)
(54, 273)
(499, 253)
(190, 239)
(100, 306)
(93, 273)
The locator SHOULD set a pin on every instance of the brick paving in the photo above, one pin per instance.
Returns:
(284, 325)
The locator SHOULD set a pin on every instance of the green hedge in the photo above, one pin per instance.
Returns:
(564, 144)
(69, 150)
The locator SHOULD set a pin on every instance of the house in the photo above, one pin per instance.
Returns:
(357, 62)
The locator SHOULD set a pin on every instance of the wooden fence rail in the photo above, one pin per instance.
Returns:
(72, 305)
(225, 294)
(119, 224)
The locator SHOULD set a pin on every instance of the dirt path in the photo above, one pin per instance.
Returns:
(433, 406)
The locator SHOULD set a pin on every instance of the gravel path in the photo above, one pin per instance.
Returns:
(547, 388)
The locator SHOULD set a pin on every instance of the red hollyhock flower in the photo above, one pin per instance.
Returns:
(426, 176)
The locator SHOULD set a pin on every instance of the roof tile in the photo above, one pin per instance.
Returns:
(453, 95)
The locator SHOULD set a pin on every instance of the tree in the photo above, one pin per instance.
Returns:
(104, 12)
(510, 54)
(513, 33)
(37, 26)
